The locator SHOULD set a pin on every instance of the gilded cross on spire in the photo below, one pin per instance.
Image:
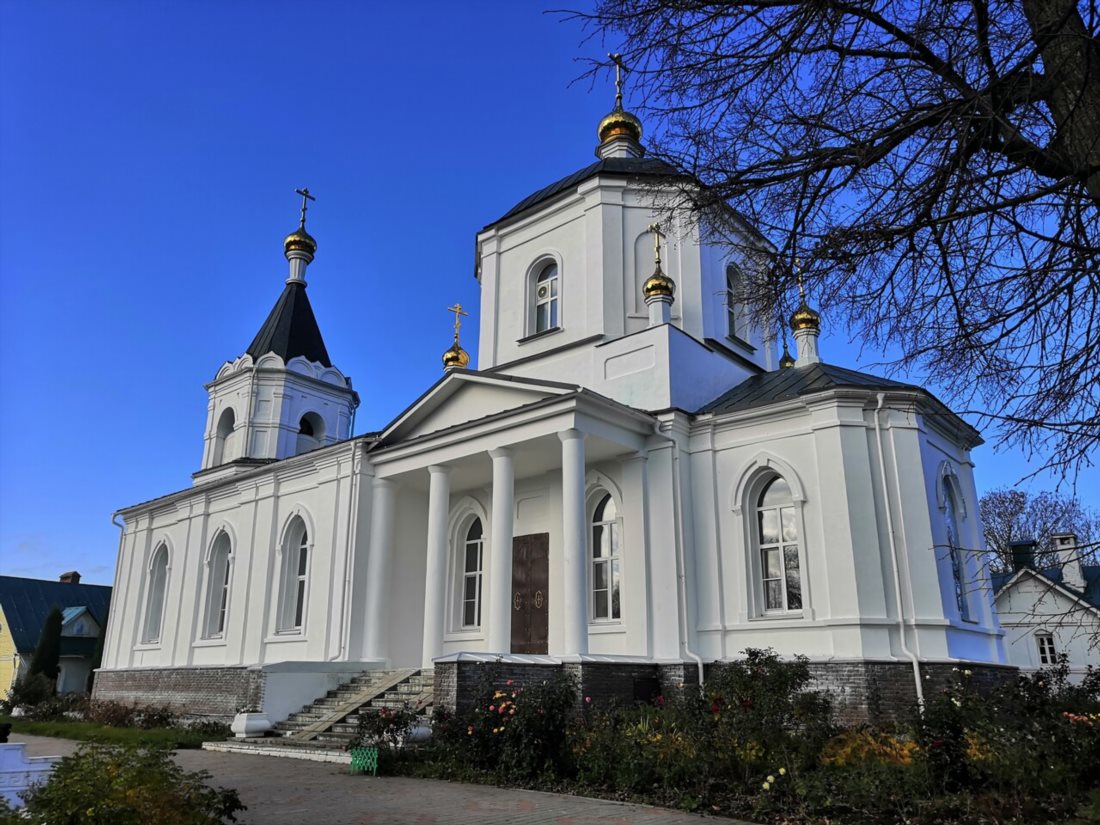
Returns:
(617, 59)
(459, 312)
(306, 198)
(658, 236)
(798, 275)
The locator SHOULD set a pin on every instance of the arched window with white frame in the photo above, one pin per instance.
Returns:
(295, 579)
(217, 587)
(472, 557)
(154, 598)
(777, 545)
(545, 299)
(955, 550)
(223, 437)
(606, 556)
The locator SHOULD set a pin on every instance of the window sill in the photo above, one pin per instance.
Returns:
(286, 636)
(213, 641)
(741, 342)
(606, 627)
(537, 335)
(779, 615)
(148, 645)
(474, 634)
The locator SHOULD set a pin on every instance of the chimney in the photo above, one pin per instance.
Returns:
(1069, 559)
(1023, 554)
(72, 577)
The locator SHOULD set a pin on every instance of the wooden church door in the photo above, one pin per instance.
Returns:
(530, 580)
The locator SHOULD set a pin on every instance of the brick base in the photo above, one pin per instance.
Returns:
(192, 692)
(862, 691)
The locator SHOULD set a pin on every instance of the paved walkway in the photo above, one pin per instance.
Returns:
(293, 792)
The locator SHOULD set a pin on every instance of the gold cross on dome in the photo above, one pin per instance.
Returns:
(798, 274)
(459, 312)
(658, 236)
(306, 198)
(617, 59)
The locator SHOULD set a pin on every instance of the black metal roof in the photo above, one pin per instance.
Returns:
(787, 384)
(624, 167)
(291, 329)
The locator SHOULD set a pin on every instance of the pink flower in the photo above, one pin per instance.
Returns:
(492, 707)
(509, 683)
(588, 700)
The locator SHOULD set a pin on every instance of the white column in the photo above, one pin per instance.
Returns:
(500, 552)
(376, 632)
(439, 506)
(574, 543)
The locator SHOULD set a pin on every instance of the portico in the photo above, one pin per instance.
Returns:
(525, 477)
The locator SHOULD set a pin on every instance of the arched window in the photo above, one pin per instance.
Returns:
(606, 561)
(154, 599)
(217, 587)
(777, 541)
(955, 550)
(545, 295)
(292, 601)
(735, 323)
(311, 432)
(473, 552)
(223, 437)
(1048, 653)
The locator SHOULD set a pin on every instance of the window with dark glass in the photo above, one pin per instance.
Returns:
(472, 556)
(606, 560)
(777, 535)
(546, 298)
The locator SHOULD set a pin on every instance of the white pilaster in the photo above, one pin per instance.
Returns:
(439, 505)
(500, 552)
(376, 632)
(574, 543)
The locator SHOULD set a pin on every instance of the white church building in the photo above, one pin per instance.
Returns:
(632, 483)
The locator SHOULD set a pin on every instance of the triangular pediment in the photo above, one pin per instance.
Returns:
(462, 397)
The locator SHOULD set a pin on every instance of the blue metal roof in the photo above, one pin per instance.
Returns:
(27, 602)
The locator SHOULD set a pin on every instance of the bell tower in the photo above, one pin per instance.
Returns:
(283, 396)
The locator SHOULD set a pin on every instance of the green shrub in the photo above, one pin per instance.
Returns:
(104, 785)
(386, 727)
(29, 690)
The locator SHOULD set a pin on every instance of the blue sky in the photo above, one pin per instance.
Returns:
(148, 157)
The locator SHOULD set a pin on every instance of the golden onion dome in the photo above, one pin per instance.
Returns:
(619, 123)
(805, 318)
(658, 284)
(300, 241)
(787, 361)
(456, 356)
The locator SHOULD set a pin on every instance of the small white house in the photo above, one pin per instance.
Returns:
(1050, 612)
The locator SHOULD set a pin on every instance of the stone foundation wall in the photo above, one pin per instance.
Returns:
(886, 691)
(199, 692)
(862, 691)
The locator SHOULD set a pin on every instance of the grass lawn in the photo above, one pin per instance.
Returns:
(174, 738)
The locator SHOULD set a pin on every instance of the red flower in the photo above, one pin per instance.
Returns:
(937, 743)
(659, 701)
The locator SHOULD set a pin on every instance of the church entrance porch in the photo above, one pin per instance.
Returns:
(530, 593)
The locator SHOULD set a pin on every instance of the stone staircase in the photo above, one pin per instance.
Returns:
(323, 730)
(333, 720)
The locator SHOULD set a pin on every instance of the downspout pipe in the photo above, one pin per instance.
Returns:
(353, 486)
(894, 554)
(681, 565)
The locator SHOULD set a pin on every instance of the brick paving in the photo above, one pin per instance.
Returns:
(293, 792)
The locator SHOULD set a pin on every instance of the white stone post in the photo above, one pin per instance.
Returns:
(500, 552)
(660, 309)
(574, 543)
(439, 506)
(376, 632)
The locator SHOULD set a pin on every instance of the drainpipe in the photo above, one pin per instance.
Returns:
(115, 582)
(681, 571)
(894, 555)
